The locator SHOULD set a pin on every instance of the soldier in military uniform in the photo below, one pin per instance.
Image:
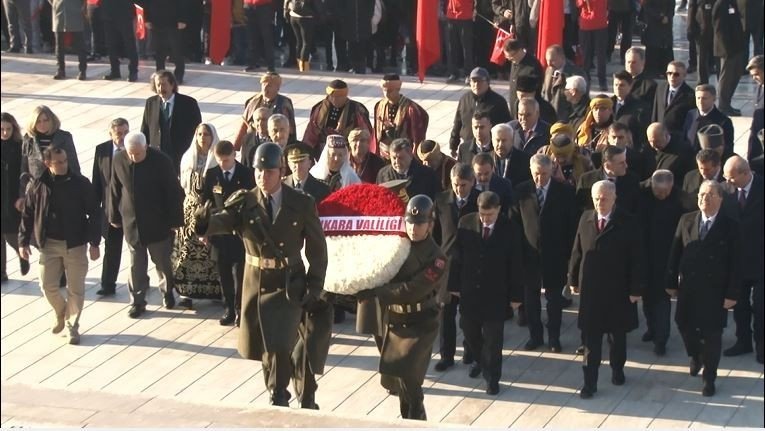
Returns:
(336, 114)
(274, 223)
(412, 311)
(315, 330)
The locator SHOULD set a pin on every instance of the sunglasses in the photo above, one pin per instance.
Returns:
(674, 74)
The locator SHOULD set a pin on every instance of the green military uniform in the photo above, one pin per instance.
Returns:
(271, 312)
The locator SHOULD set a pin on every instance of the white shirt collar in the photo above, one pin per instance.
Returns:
(171, 101)
(116, 148)
(606, 217)
(711, 219)
(230, 171)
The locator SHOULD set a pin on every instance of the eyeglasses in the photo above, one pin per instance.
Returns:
(673, 74)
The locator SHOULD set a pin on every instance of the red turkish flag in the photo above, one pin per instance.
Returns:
(140, 24)
(428, 36)
(220, 30)
(497, 53)
(550, 27)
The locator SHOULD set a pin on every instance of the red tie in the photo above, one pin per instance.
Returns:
(486, 232)
(601, 224)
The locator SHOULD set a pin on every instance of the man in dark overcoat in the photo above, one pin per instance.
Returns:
(673, 98)
(423, 180)
(614, 169)
(702, 274)
(146, 201)
(412, 311)
(606, 268)
(546, 209)
(274, 223)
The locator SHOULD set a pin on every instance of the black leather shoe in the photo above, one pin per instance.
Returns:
(709, 389)
(112, 77)
(647, 336)
(133, 77)
(532, 344)
(660, 349)
(186, 303)
(24, 266)
(759, 353)
(443, 364)
(492, 388)
(580, 350)
(136, 311)
(738, 349)
(467, 358)
(555, 346)
(694, 367)
(169, 300)
(105, 291)
(617, 377)
(475, 371)
(586, 392)
(280, 400)
(228, 318)
(81, 76)
(59, 75)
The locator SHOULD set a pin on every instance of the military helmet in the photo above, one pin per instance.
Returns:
(268, 156)
(419, 209)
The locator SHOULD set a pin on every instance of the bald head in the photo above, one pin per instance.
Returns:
(658, 136)
(737, 172)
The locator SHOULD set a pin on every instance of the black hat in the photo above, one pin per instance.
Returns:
(298, 151)
(419, 209)
(711, 137)
(268, 156)
(527, 84)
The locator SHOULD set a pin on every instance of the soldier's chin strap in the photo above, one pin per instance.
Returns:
(258, 216)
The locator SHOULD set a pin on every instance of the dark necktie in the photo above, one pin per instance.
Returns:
(601, 224)
(742, 198)
(460, 203)
(704, 229)
(270, 207)
(486, 232)
(540, 198)
(298, 186)
(671, 96)
(617, 108)
(166, 110)
(227, 176)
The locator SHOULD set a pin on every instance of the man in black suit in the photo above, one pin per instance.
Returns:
(488, 261)
(486, 180)
(481, 142)
(523, 64)
(450, 207)
(423, 180)
(643, 87)
(706, 113)
(708, 167)
(510, 161)
(640, 163)
(614, 169)
(673, 99)
(703, 275)
(167, 21)
(480, 98)
(749, 193)
(660, 208)
(606, 270)
(628, 109)
(102, 174)
(670, 151)
(558, 69)
(546, 209)
(170, 118)
(220, 183)
(146, 201)
(534, 132)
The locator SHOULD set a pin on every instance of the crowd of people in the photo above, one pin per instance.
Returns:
(632, 195)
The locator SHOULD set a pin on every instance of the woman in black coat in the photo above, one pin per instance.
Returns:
(11, 196)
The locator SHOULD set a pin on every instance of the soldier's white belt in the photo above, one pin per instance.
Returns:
(266, 263)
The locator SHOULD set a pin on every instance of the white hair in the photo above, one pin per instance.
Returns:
(578, 83)
(541, 160)
(663, 177)
(605, 186)
(135, 140)
(501, 126)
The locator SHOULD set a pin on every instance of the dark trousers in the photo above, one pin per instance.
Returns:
(703, 59)
(112, 257)
(410, 399)
(260, 32)
(593, 43)
(277, 370)
(78, 46)
(334, 38)
(138, 283)
(749, 304)
(484, 33)
(593, 352)
(168, 41)
(95, 39)
(304, 29)
(447, 332)
(485, 340)
(120, 38)
(730, 74)
(13, 240)
(570, 35)
(230, 253)
(533, 308)
(460, 33)
(704, 345)
(19, 17)
(657, 317)
(623, 21)
(358, 54)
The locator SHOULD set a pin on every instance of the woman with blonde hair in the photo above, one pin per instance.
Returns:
(43, 130)
(195, 272)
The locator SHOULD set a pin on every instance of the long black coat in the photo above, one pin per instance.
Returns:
(447, 217)
(518, 170)
(703, 271)
(548, 234)
(356, 17)
(608, 269)
(657, 34)
(634, 114)
(424, 180)
(166, 13)
(490, 270)
(146, 198)
(11, 173)
(751, 223)
(173, 139)
(729, 38)
(659, 221)
(627, 189)
(644, 88)
(530, 67)
(672, 115)
(490, 102)
(676, 157)
(695, 122)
